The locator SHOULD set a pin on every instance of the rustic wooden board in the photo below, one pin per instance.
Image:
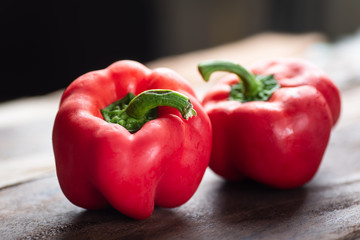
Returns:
(25, 138)
(326, 208)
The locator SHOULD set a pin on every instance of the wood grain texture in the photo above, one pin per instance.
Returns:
(25, 138)
(326, 208)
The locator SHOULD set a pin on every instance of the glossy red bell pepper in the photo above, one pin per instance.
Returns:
(271, 124)
(112, 148)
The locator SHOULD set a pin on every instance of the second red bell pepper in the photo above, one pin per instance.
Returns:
(271, 124)
(127, 136)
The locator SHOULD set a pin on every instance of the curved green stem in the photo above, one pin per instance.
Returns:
(250, 88)
(133, 112)
(150, 99)
(251, 85)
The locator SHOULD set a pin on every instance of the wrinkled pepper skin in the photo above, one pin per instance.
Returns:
(279, 142)
(100, 164)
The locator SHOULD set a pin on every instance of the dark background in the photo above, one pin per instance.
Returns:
(47, 44)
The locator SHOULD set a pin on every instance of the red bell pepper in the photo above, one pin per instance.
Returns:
(271, 124)
(130, 152)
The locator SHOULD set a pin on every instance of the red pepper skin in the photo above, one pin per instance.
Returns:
(100, 163)
(279, 142)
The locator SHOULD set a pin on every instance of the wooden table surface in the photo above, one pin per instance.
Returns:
(32, 205)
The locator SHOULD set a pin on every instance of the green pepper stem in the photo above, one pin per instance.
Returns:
(150, 99)
(251, 85)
